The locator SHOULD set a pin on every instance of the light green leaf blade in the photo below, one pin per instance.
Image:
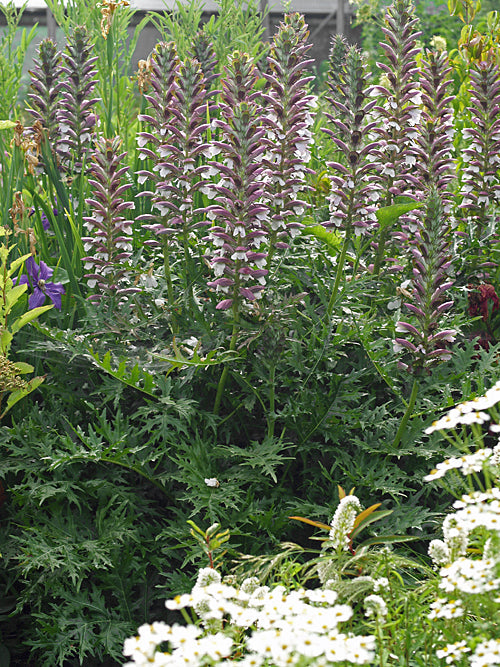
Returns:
(29, 316)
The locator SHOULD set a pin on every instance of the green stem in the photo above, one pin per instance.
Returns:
(271, 419)
(232, 347)
(407, 414)
(380, 252)
(168, 275)
(343, 253)
(385, 232)
(338, 276)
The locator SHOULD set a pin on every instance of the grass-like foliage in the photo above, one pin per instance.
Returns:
(246, 288)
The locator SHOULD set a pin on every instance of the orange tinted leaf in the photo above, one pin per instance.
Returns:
(317, 524)
(362, 515)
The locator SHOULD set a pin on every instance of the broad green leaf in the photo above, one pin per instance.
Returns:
(28, 316)
(5, 341)
(13, 295)
(7, 124)
(387, 215)
(16, 263)
(22, 367)
(17, 395)
(332, 239)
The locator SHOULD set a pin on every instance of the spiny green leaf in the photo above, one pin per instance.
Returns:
(180, 361)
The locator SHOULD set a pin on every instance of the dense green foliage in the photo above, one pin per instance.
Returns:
(162, 404)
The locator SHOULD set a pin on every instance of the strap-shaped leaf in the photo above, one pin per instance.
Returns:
(365, 513)
(375, 516)
(317, 524)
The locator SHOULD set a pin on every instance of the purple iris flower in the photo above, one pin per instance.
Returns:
(37, 279)
(46, 221)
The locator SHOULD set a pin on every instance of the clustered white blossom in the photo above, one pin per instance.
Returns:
(282, 628)
(375, 606)
(464, 573)
(470, 412)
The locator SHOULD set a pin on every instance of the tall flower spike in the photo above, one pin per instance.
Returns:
(434, 148)
(164, 66)
(336, 58)
(204, 52)
(288, 119)
(481, 180)
(398, 109)
(240, 215)
(163, 70)
(109, 242)
(431, 260)
(45, 89)
(354, 189)
(76, 116)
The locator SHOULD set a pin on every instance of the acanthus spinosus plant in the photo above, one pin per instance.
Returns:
(240, 215)
(288, 119)
(45, 90)
(204, 52)
(109, 243)
(434, 142)
(45, 85)
(397, 109)
(336, 58)
(480, 179)
(76, 115)
(354, 191)
(431, 281)
(163, 68)
(177, 174)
